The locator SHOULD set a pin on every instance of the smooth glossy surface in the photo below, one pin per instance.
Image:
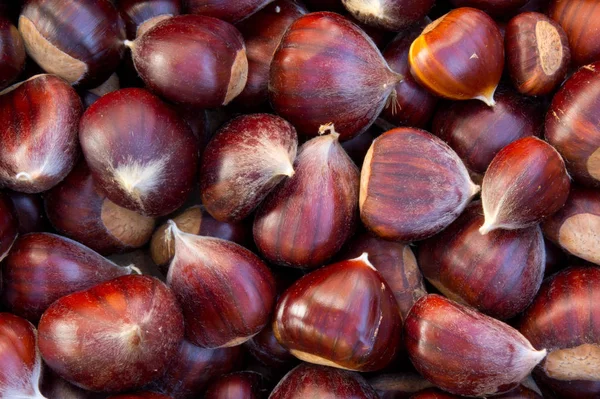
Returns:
(245, 384)
(12, 53)
(226, 10)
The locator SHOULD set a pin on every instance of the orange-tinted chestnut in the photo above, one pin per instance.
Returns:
(230, 11)
(192, 59)
(116, 336)
(412, 185)
(394, 15)
(244, 384)
(39, 118)
(495, 8)
(564, 318)
(498, 273)
(12, 53)
(399, 385)
(81, 40)
(572, 124)
(141, 15)
(9, 226)
(525, 183)
(459, 56)
(466, 352)
(327, 70)
(478, 132)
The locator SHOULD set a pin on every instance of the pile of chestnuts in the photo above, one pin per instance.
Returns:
(297, 199)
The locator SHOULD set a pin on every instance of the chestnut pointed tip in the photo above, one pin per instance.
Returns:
(364, 259)
(475, 189)
(328, 129)
(129, 43)
(488, 98)
(133, 269)
(487, 227)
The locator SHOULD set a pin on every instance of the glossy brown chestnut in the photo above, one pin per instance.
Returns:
(312, 381)
(537, 53)
(414, 105)
(29, 210)
(79, 209)
(40, 118)
(20, 363)
(412, 185)
(397, 265)
(581, 20)
(193, 368)
(478, 132)
(12, 53)
(343, 315)
(398, 386)
(572, 124)
(153, 179)
(290, 231)
(141, 15)
(81, 41)
(262, 33)
(498, 273)
(243, 162)
(564, 319)
(43, 267)
(575, 226)
(225, 291)
(466, 352)
(495, 8)
(244, 384)
(116, 336)
(525, 183)
(9, 227)
(226, 10)
(327, 70)
(192, 59)
(54, 386)
(265, 348)
(195, 220)
(394, 15)
(459, 56)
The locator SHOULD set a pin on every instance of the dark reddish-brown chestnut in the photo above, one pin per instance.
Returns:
(412, 185)
(192, 59)
(565, 319)
(459, 56)
(498, 273)
(141, 15)
(495, 8)
(525, 183)
(573, 124)
(152, 179)
(581, 20)
(262, 34)
(226, 10)
(312, 381)
(116, 336)
(265, 348)
(576, 225)
(81, 41)
(398, 385)
(225, 291)
(478, 132)
(29, 210)
(90, 96)
(397, 265)
(395, 15)
(327, 70)
(357, 147)
(466, 352)
(20, 363)
(9, 227)
(244, 384)
(288, 230)
(195, 220)
(141, 395)
(243, 162)
(343, 315)
(54, 386)
(12, 53)
(521, 392)
(39, 118)
(537, 53)
(43, 267)
(79, 209)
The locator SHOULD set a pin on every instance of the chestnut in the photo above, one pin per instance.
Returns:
(88, 97)
(498, 273)
(244, 384)
(412, 185)
(495, 8)
(141, 395)
(394, 15)
(343, 315)
(9, 227)
(459, 56)
(265, 348)
(572, 124)
(79, 209)
(54, 386)
(116, 336)
(141, 15)
(12, 53)
(243, 162)
(289, 230)
(327, 70)
(525, 183)
(465, 352)
(537, 53)
(29, 211)
(564, 319)
(81, 40)
(43, 267)
(312, 381)
(399, 385)
(40, 117)
(226, 10)
(153, 179)
(193, 60)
